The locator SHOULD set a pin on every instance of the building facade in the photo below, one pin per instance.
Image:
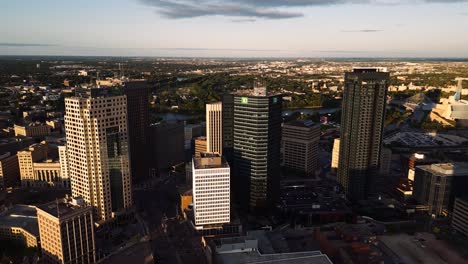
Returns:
(437, 185)
(166, 142)
(300, 146)
(214, 128)
(9, 170)
(363, 114)
(256, 147)
(200, 146)
(460, 216)
(26, 160)
(335, 154)
(19, 224)
(97, 147)
(137, 93)
(211, 190)
(33, 130)
(66, 229)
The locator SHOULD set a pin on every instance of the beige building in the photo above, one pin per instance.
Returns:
(19, 224)
(97, 148)
(33, 130)
(200, 146)
(39, 171)
(335, 154)
(26, 159)
(9, 170)
(214, 128)
(300, 141)
(66, 228)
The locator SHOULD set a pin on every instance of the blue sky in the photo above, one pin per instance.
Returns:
(235, 28)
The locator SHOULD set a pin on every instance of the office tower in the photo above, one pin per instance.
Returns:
(97, 146)
(200, 146)
(26, 160)
(460, 215)
(335, 154)
(214, 127)
(228, 126)
(300, 146)
(9, 170)
(66, 229)
(211, 190)
(166, 143)
(256, 146)
(364, 101)
(138, 121)
(437, 185)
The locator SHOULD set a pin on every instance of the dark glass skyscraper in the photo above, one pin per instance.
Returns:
(256, 142)
(137, 93)
(364, 101)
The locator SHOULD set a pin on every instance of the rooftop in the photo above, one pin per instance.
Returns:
(447, 169)
(302, 123)
(209, 161)
(369, 69)
(23, 216)
(95, 92)
(257, 91)
(310, 257)
(64, 207)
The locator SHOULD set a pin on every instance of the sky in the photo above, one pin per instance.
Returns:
(235, 28)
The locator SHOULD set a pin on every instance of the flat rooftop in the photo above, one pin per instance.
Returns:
(23, 216)
(302, 123)
(417, 139)
(257, 91)
(310, 257)
(61, 208)
(210, 161)
(447, 169)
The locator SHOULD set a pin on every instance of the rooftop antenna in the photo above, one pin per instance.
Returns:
(97, 80)
(58, 210)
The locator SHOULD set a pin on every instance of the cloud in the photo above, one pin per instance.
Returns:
(362, 31)
(192, 8)
(259, 9)
(243, 20)
(7, 44)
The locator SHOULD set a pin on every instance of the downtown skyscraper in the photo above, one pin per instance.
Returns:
(137, 93)
(97, 145)
(214, 128)
(364, 102)
(256, 142)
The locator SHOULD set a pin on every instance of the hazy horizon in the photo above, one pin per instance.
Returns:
(237, 28)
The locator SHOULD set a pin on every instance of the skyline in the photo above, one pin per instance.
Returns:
(228, 28)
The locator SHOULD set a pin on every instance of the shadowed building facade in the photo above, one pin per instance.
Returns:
(364, 102)
(138, 121)
(256, 144)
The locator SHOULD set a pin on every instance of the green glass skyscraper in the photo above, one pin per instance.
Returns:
(256, 134)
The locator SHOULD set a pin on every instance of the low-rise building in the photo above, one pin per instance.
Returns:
(460, 215)
(35, 130)
(19, 224)
(66, 227)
